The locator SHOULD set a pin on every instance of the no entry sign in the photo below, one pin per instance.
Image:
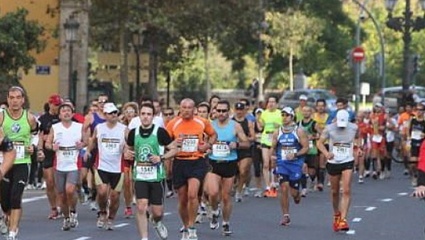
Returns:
(358, 54)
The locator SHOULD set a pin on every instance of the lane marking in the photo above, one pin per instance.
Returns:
(82, 238)
(370, 209)
(351, 232)
(403, 194)
(33, 199)
(356, 219)
(167, 213)
(121, 225)
(386, 200)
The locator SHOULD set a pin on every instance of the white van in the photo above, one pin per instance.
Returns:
(392, 94)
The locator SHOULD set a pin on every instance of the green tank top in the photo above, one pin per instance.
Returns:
(272, 121)
(143, 169)
(312, 149)
(19, 132)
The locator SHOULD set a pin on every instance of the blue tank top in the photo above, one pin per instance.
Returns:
(96, 120)
(225, 135)
(288, 143)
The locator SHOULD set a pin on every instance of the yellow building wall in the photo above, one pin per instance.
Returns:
(46, 13)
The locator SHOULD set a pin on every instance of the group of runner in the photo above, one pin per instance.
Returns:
(203, 152)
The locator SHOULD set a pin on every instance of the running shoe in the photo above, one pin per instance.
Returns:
(101, 220)
(246, 192)
(304, 192)
(169, 194)
(258, 193)
(199, 218)
(12, 236)
(54, 214)
(320, 187)
(266, 193)
(286, 220)
(226, 230)
(406, 172)
(297, 198)
(185, 234)
(336, 220)
(109, 225)
(273, 192)
(3, 226)
(66, 226)
(161, 230)
(192, 234)
(343, 225)
(375, 175)
(73, 220)
(93, 205)
(214, 222)
(128, 212)
(361, 179)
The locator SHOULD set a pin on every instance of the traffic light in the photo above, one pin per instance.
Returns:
(416, 64)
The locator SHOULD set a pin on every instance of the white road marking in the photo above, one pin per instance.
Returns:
(403, 194)
(82, 238)
(370, 209)
(351, 232)
(356, 219)
(386, 200)
(167, 213)
(121, 225)
(33, 199)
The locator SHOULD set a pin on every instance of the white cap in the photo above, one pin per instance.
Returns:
(287, 110)
(303, 97)
(342, 117)
(109, 108)
(259, 110)
(378, 105)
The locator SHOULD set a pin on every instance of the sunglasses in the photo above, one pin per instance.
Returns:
(285, 115)
(222, 110)
(112, 113)
(168, 114)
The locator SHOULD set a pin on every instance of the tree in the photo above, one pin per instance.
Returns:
(18, 37)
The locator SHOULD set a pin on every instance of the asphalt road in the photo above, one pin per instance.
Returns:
(381, 209)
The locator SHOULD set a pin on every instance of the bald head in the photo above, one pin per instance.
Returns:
(187, 108)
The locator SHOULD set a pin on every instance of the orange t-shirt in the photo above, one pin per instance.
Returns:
(192, 134)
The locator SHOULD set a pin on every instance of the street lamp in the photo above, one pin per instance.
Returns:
(71, 29)
(138, 38)
(405, 24)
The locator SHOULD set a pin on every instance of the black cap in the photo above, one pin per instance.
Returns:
(239, 106)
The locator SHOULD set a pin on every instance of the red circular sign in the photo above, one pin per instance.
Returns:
(358, 54)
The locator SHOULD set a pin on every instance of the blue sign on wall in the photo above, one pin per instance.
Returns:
(42, 70)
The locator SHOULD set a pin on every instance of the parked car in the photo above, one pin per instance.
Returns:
(291, 98)
(393, 94)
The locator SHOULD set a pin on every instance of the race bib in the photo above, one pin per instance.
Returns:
(416, 135)
(67, 154)
(377, 138)
(20, 149)
(111, 146)
(270, 137)
(341, 151)
(190, 144)
(286, 151)
(221, 149)
(147, 173)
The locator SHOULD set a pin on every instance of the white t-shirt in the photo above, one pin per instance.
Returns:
(110, 142)
(67, 155)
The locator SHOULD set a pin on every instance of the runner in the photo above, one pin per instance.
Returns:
(168, 115)
(189, 166)
(66, 140)
(149, 172)
(299, 110)
(378, 121)
(416, 136)
(17, 124)
(203, 110)
(341, 135)
(270, 121)
(224, 163)
(47, 155)
(109, 137)
(321, 116)
(257, 157)
(244, 154)
(290, 144)
(130, 110)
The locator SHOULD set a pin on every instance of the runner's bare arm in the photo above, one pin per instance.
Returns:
(243, 141)
(303, 141)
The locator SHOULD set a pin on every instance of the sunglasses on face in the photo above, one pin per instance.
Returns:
(221, 110)
(168, 114)
(285, 114)
(112, 113)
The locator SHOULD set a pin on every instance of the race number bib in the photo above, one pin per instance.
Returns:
(341, 151)
(20, 149)
(377, 138)
(67, 154)
(286, 151)
(111, 146)
(416, 135)
(190, 144)
(270, 137)
(221, 149)
(147, 173)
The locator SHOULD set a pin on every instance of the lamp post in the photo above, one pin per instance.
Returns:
(71, 29)
(405, 24)
(138, 38)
